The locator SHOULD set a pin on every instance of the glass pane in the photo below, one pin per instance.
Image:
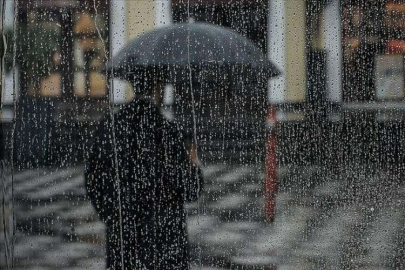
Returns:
(90, 32)
(202, 134)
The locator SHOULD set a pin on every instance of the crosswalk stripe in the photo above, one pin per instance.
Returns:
(328, 188)
(9, 181)
(381, 241)
(287, 229)
(234, 175)
(39, 181)
(230, 201)
(327, 240)
(23, 175)
(212, 169)
(286, 239)
(59, 188)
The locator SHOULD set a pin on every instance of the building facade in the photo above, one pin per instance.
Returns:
(348, 53)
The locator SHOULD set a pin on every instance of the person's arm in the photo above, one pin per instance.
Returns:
(191, 179)
(193, 182)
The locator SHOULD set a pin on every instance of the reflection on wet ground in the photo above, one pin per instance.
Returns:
(341, 219)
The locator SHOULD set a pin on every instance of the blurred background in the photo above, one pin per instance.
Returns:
(302, 171)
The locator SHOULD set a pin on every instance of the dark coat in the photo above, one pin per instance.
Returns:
(140, 189)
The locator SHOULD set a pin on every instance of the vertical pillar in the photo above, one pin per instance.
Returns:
(118, 31)
(276, 49)
(8, 90)
(270, 185)
(163, 13)
(277, 93)
(333, 47)
(140, 17)
(118, 38)
(286, 47)
(295, 58)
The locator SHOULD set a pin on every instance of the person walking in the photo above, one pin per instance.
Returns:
(139, 175)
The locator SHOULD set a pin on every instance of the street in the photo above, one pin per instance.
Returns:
(342, 219)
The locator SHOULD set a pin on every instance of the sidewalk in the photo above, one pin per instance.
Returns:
(346, 219)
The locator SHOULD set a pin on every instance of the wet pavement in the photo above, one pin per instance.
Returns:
(345, 218)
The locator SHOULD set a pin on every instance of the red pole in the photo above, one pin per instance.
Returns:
(270, 185)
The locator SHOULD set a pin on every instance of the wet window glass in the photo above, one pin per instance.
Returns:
(202, 134)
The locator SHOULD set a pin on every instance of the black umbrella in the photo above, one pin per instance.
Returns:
(191, 44)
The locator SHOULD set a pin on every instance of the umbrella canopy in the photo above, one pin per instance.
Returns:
(194, 44)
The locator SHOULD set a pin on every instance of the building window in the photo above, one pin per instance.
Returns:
(373, 39)
(56, 66)
(90, 57)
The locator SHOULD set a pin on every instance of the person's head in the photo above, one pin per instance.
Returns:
(148, 85)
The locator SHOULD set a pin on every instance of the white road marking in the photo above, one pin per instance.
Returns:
(210, 170)
(287, 229)
(381, 242)
(36, 181)
(328, 188)
(235, 175)
(231, 201)
(59, 188)
(326, 242)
